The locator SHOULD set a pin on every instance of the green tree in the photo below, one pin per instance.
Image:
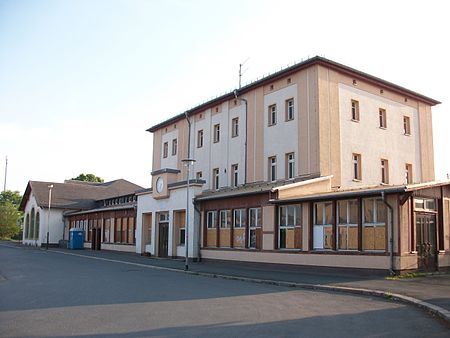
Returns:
(10, 196)
(10, 216)
(88, 178)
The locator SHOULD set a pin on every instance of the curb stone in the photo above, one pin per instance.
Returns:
(434, 310)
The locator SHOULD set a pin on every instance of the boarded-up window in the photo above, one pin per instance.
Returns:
(118, 230)
(289, 216)
(322, 229)
(123, 235)
(374, 225)
(130, 230)
(347, 232)
(106, 230)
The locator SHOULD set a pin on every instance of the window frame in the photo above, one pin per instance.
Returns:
(382, 118)
(406, 125)
(165, 149)
(409, 173)
(297, 215)
(225, 219)
(355, 110)
(211, 222)
(252, 240)
(356, 167)
(234, 175)
(348, 224)
(272, 115)
(242, 218)
(235, 127)
(323, 225)
(290, 165)
(216, 180)
(384, 164)
(272, 162)
(200, 138)
(289, 106)
(216, 134)
(375, 224)
(174, 146)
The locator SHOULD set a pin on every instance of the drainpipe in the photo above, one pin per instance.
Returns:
(391, 237)
(235, 92)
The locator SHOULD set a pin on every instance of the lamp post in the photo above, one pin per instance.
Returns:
(187, 162)
(50, 187)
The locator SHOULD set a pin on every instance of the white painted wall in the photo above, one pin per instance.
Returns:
(56, 230)
(171, 161)
(373, 143)
(177, 201)
(223, 154)
(281, 138)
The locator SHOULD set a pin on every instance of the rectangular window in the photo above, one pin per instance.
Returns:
(357, 167)
(374, 224)
(235, 127)
(255, 222)
(131, 239)
(272, 169)
(408, 173)
(165, 149)
(347, 225)
(106, 230)
(289, 109)
(182, 236)
(216, 133)
(211, 219)
(200, 138)
(272, 115)
(123, 238)
(234, 175)
(198, 175)
(174, 146)
(382, 118)
(355, 110)
(216, 178)
(290, 165)
(225, 219)
(118, 230)
(406, 125)
(289, 217)
(322, 228)
(384, 171)
(239, 218)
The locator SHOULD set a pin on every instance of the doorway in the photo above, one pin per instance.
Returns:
(426, 242)
(163, 235)
(96, 238)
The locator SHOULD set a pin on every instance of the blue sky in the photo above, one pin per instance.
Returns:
(80, 81)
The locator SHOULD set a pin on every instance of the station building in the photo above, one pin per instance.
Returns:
(318, 164)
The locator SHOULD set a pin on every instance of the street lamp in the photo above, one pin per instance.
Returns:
(50, 187)
(187, 162)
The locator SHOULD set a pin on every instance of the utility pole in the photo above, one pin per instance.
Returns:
(6, 173)
(240, 72)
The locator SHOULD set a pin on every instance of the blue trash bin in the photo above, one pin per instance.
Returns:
(76, 239)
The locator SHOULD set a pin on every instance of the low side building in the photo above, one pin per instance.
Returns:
(83, 205)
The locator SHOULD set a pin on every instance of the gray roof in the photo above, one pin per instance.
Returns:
(76, 195)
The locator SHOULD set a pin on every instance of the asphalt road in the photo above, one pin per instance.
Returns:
(51, 294)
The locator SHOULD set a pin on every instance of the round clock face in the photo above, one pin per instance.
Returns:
(159, 184)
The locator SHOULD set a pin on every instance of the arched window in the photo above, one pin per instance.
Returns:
(31, 227)
(38, 223)
(27, 225)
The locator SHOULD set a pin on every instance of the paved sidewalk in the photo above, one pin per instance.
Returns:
(431, 292)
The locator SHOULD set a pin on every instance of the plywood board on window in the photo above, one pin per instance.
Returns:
(380, 238)
(225, 241)
(290, 239)
(239, 238)
(328, 238)
(368, 238)
(211, 237)
(342, 238)
(353, 238)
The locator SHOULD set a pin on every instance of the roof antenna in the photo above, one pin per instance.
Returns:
(240, 71)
